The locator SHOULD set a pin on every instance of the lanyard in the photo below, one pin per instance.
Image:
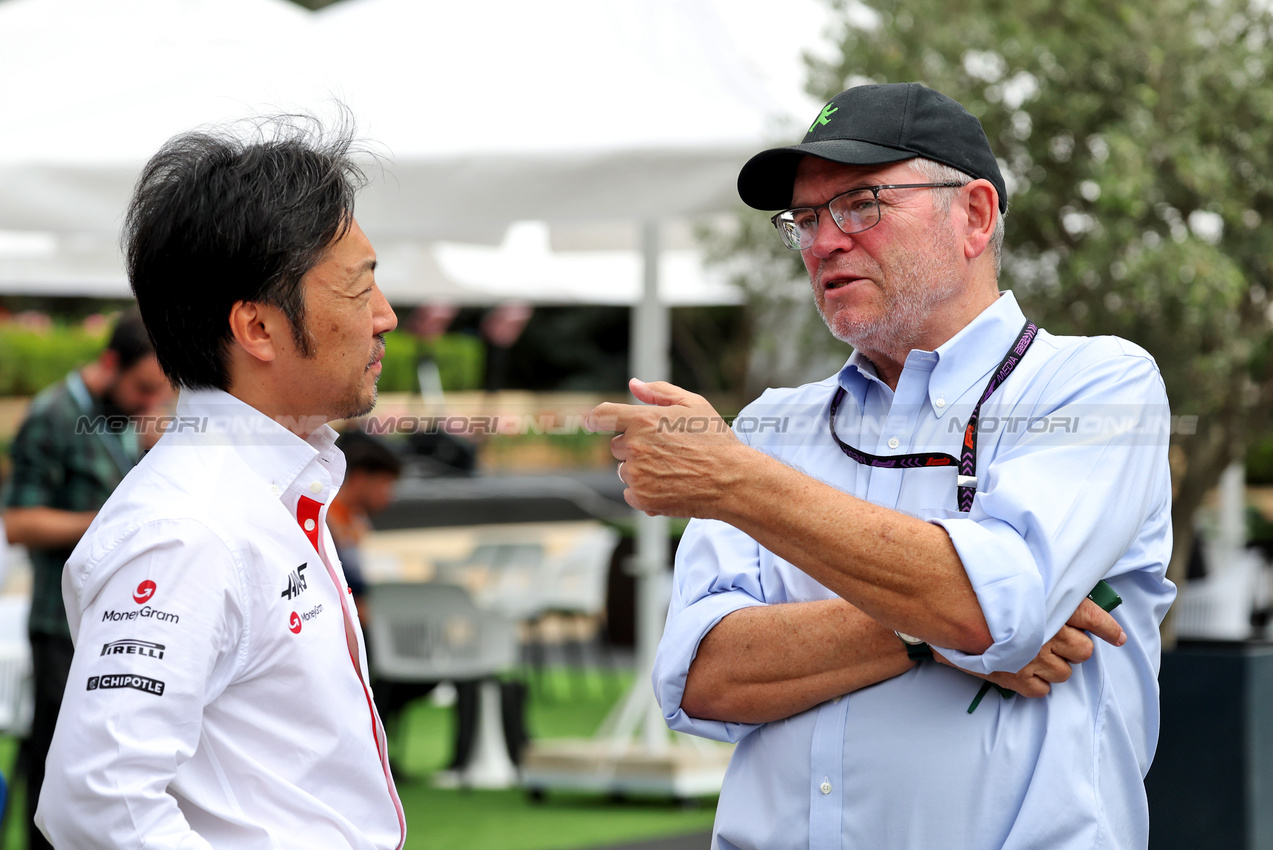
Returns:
(967, 460)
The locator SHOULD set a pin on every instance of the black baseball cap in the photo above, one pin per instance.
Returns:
(876, 125)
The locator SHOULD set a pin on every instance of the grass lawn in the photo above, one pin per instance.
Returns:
(439, 819)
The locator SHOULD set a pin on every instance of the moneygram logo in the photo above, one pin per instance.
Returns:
(295, 621)
(146, 613)
(144, 591)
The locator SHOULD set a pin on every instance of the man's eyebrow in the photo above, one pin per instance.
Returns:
(356, 274)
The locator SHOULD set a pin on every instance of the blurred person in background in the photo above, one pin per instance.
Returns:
(371, 471)
(76, 445)
(219, 694)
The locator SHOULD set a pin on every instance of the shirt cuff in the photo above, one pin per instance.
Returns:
(684, 631)
(1009, 589)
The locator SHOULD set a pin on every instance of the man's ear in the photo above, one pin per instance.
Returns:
(109, 360)
(982, 207)
(253, 326)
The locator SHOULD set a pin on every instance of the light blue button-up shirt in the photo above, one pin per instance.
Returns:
(1073, 487)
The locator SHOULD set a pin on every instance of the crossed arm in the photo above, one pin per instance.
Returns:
(891, 571)
(770, 662)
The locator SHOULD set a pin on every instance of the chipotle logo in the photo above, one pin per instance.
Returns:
(144, 591)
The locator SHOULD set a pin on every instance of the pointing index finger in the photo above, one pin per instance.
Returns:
(608, 417)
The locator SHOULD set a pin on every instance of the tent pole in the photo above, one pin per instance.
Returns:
(650, 362)
(633, 750)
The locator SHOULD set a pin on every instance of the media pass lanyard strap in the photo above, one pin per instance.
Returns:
(967, 461)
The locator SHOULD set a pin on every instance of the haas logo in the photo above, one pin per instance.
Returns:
(144, 591)
(295, 583)
(294, 623)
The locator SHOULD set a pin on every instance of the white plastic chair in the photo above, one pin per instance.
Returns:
(1219, 606)
(17, 687)
(427, 632)
(503, 577)
(422, 632)
(575, 581)
(571, 594)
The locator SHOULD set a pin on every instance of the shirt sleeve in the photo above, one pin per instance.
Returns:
(159, 634)
(1068, 503)
(37, 469)
(717, 573)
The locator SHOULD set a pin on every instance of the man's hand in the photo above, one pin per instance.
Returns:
(679, 458)
(675, 451)
(1054, 663)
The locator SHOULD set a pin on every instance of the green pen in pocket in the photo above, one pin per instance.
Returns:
(1103, 595)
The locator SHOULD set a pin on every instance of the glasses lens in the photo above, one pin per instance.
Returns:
(797, 227)
(855, 211)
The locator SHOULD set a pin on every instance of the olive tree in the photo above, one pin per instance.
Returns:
(1136, 137)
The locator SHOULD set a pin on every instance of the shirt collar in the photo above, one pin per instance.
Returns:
(271, 451)
(965, 360)
(958, 364)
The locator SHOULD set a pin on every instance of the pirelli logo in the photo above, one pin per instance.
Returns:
(134, 647)
(126, 680)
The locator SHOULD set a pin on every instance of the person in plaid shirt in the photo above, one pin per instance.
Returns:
(75, 446)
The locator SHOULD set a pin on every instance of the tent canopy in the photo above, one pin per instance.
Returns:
(567, 111)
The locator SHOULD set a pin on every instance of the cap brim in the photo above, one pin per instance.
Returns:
(767, 179)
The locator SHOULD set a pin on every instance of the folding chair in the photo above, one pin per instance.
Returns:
(430, 633)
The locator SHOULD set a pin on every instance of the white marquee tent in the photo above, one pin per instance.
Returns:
(593, 116)
(607, 119)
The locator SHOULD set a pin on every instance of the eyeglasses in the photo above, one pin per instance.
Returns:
(852, 212)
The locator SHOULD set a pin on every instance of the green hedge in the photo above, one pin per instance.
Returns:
(31, 358)
(1259, 461)
(461, 361)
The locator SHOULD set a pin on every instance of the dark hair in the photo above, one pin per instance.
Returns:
(129, 339)
(368, 453)
(221, 216)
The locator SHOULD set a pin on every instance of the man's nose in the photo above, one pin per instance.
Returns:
(829, 238)
(385, 319)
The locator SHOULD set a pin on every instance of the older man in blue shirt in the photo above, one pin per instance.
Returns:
(873, 546)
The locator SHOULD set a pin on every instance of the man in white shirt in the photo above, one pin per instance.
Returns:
(219, 693)
(946, 500)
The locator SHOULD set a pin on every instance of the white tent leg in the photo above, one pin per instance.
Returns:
(490, 766)
(613, 761)
(651, 342)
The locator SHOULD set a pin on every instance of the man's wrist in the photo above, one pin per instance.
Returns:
(746, 481)
(916, 649)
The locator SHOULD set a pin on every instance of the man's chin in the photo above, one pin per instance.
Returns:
(361, 406)
(850, 330)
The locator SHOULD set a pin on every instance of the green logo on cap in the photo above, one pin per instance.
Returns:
(825, 117)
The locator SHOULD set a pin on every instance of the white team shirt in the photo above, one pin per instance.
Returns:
(219, 693)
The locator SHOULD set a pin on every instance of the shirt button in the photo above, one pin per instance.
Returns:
(274, 489)
(825, 787)
(893, 442)
(940, 403)
(309, 525)
(316, 487)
